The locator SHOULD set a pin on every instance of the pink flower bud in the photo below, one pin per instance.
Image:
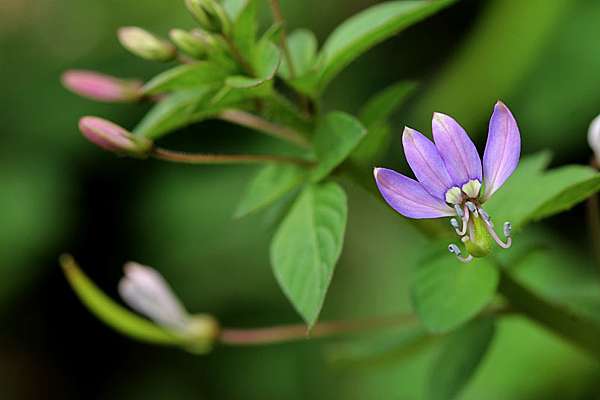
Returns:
(114, 138)
(100, 87)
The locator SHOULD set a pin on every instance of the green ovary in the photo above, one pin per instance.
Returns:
(481, 244)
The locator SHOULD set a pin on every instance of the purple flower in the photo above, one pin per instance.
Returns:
(453, 180)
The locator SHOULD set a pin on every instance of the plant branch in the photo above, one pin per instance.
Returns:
(196, 158)
(288, 333)
(255, 122)
(560, 320)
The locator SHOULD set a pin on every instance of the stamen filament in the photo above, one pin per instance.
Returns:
(494, 235)
(454, 249)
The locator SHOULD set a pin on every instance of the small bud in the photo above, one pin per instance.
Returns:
(100, 87)
(210, 14)
(594, 138)
(147, 292)
(146, 45)
(113, 138)
(188, 43)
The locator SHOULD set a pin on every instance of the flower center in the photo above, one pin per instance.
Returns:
(473, 224)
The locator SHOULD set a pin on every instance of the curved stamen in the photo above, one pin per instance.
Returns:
(463, 231)
(459, 211)
(454, 249)
(485, 216)
(507, 230)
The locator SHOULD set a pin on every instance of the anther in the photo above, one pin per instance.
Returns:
(507, 229)
(454, 249)
(472, 208)
(454, 223)
(459, 211)
(494, 235)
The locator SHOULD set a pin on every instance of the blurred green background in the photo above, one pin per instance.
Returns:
(60, 193)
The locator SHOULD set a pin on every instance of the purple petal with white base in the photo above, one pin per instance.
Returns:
(502, 150)
(456, 148)
(408, 197)
(426, 163)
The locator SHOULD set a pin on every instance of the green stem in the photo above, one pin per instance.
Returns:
(580, 331)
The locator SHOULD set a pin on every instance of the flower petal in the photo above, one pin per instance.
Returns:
(456, 148)
(408, 197)
(502, 149)
(426, 163)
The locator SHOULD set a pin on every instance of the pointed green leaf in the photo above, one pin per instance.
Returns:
(379, 107)
(111, 313)
(531, 193)
(185, 77)
(245, 26)
(336, 136)
(270, 184)
(176, 111)
(307, 245)
(460, 355)
(368, 28)
(302, 45)
(374, 115)
(447, 293)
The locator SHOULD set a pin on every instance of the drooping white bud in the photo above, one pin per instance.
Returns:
(147, 292)
(594, 137)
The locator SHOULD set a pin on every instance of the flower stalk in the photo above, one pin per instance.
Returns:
(204, 158)
(296, 332)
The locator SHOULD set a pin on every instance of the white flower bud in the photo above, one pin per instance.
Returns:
(147, 292)
(594, 137)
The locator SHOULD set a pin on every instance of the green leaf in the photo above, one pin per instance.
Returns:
(111, 313)
(302, 45)
(531, 193)
(185, 77)
(245, 27)
(266, 59)
(379, 107)
(368, 28)
(336, 136)
(447, 293)
(307, 245)
(270, 184)
(233, 8)
(373, 145)
(176, 111)
(457, 362)
(391, 347)
(374, 115)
